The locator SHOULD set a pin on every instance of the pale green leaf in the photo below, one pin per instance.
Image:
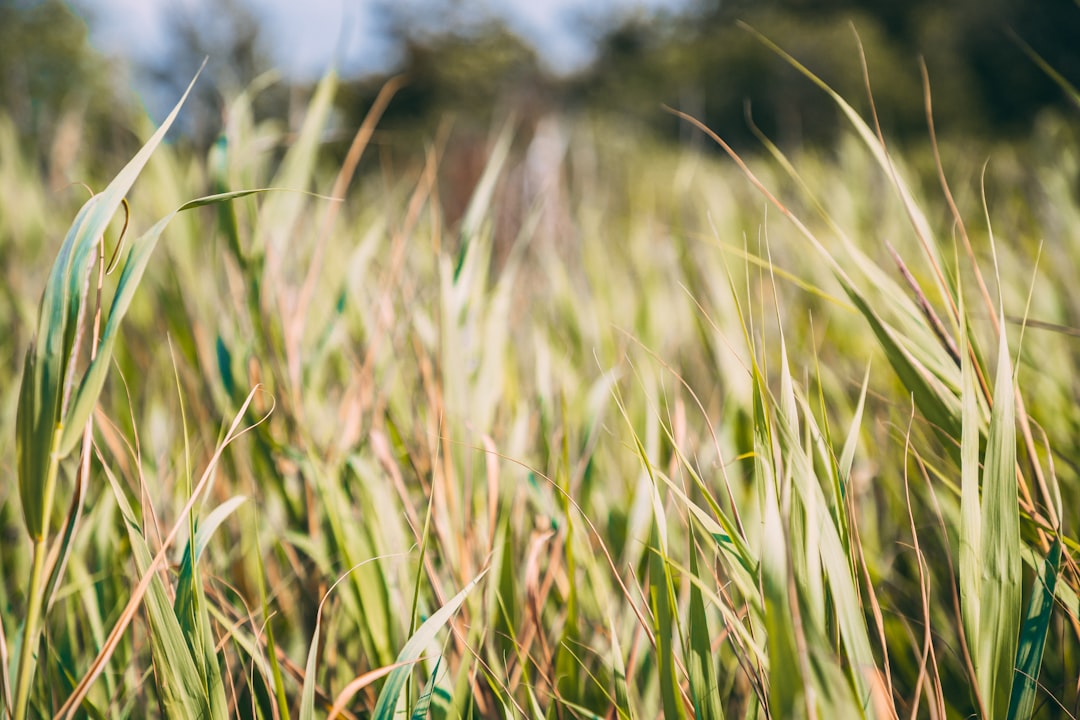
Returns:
(411, 653)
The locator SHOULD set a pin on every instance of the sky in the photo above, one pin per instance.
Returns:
(303, 37)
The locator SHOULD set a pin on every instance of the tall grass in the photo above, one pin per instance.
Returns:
(645, 432)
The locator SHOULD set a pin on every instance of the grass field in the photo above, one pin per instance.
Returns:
(645, 432)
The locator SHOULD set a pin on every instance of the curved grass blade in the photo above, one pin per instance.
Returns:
(395, 683)
(213, 521)
(932, 398)
(917, 218)
(138, 258)
(42, 401)
(307, 692)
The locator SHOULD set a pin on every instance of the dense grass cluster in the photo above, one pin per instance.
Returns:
(643, 432)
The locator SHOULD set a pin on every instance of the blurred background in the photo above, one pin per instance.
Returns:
(85, 68)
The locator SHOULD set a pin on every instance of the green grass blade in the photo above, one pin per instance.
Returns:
(1051, 72)
(833, 559)
(970, 564)
(395, 682)
(274, 675)
(281, 216)
(31, 446)
(1029, 654)
(932, 399)
(65, 291)
(192, 611)
(661, 600)
(134, 267)
(618, 667)
(699, 664)
(62, 303)
(851, 442)
(787, 682)
(917, 218)
(423, 703)
(307, 692)
(213, 521)
(45, 374)
(181, 688)
(999, 613)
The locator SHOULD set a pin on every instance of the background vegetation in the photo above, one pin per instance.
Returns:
(979, 55)
(539, 416)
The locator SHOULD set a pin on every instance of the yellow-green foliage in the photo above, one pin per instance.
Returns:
(648, 432)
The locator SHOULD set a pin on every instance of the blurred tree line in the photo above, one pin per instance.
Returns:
(53, 87)
(982, 77)
(61, 94)
(978, 52)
